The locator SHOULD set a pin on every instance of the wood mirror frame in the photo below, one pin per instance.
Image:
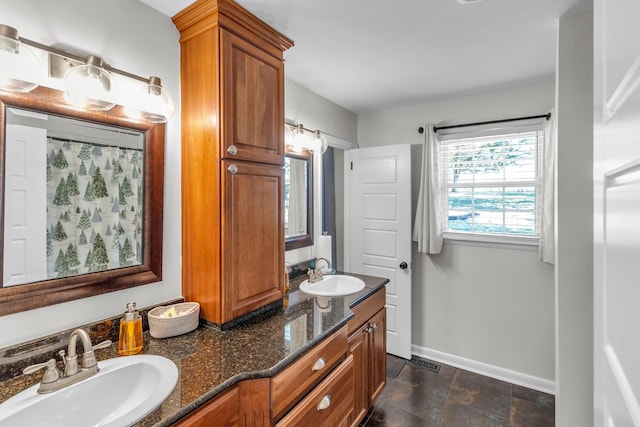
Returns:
(302, 240)
(29, 296)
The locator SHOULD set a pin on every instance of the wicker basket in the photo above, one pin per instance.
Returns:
(186, 320)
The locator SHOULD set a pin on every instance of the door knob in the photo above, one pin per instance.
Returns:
(403, 265)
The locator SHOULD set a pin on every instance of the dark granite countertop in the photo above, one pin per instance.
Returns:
(209, 360)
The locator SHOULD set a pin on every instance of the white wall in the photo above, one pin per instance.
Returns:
(136, 38)
(491, 308)
(315, 112)
(574, 216)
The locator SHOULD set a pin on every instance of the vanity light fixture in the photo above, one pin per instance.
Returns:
(89, 83)
(298, 139)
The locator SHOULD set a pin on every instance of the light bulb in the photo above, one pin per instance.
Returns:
(320, 142)
(156, 105)
(90, 86)
(20, 68)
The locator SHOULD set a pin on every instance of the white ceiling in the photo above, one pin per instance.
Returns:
(367, 55)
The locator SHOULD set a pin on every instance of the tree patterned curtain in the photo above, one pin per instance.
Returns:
(94, 207)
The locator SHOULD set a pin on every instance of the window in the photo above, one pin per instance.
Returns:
(492, 184)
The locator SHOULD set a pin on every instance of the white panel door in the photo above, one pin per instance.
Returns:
(378, 230)
(616, 213)
(25, 220)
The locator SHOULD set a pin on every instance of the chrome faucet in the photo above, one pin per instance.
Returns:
(315, 274)
(52, 380)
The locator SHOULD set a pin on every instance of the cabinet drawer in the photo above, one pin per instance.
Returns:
(295, 381)
(330, 404)
(366, 310)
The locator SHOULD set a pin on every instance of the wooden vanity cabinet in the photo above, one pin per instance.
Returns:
(232, 84)
(367, 345)
(243, 405)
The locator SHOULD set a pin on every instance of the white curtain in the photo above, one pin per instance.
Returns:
(427, 226)
(298, 198)
(546, 248)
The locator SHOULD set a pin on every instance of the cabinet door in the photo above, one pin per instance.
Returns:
(252, 98)
(377, 354)
(244, 405)
(222, 411)
(253, 237)
(359, 348)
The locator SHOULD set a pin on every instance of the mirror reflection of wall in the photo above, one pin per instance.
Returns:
(74, 197)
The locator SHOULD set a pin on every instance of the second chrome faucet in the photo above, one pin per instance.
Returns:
(316, 274)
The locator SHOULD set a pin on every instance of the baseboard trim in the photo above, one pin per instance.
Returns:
(481, 368)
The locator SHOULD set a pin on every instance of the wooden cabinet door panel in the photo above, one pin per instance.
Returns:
(378, 354)
(253, 102)
(253, 237)
(222, 411)
(359, 348)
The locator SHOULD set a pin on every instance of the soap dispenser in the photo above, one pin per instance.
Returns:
(130, 340)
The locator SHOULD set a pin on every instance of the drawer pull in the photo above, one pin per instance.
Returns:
(324, 403)
(233, 150)
(320, 364)
(233, 169)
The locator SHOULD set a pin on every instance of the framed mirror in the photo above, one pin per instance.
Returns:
(82, 201)
(298, 200)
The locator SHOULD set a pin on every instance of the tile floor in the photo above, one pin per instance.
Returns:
(416, 396)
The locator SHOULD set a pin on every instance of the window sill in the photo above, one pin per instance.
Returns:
(488, 240)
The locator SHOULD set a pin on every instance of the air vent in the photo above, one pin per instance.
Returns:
(426, 364)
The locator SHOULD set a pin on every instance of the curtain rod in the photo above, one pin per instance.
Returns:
(490, 122)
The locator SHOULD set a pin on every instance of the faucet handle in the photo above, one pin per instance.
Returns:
(51, 374)
(89, 359)
(103, 344)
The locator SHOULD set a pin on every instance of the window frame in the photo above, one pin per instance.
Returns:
(493, 135)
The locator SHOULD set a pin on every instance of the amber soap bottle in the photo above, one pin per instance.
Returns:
(130, 340)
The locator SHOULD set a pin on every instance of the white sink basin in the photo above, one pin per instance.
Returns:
(120, 394)
(333, 286)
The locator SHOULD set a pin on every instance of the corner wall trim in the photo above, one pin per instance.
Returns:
(481, 368)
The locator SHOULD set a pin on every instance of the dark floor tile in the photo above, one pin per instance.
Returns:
(489, 395)
(394, 365)
(455, 414)
(418, 391)
(543, 399)
(387, 415)
(529, 414)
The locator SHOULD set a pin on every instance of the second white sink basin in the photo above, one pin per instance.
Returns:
(120, 394)
(333, 286)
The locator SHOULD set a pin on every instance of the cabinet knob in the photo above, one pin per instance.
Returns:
(324, 403)
(233, 150)
(233, 169)
(320, 364)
